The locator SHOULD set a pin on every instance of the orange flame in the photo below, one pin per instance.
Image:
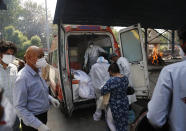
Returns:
(155, 56)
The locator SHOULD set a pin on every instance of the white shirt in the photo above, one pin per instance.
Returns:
(124, 68)
(7, 80)
(9, 112)
(167, 100)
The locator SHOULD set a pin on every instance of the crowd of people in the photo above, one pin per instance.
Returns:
(25, 100)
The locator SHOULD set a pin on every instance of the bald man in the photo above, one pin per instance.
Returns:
(31, 98)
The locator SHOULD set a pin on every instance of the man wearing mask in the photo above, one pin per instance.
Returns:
(91, 55)
(168, 103)
(8, 73)
(31, 98)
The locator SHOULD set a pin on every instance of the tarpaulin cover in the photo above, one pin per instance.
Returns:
(167, 14)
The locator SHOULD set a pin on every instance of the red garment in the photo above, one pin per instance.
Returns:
(2, 122)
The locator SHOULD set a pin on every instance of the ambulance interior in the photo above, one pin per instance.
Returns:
(77, 45)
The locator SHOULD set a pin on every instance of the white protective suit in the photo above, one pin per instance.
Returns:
(124, 67)
(91, 55)
(99, 75)
(86, 89)
(9, 115)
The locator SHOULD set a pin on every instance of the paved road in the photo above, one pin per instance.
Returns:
(81, 120)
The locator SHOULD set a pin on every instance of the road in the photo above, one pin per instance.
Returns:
(81, 120)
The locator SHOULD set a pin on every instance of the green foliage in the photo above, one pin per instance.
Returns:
(21, 51)
(32, 20)
(16, 36)
(8, 32)
(163, 48)
(26, 43)
(11, 15)
(24, 24)
(21, 41)
(35, 40)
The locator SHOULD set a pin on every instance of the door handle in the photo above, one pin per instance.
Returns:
(142, 65)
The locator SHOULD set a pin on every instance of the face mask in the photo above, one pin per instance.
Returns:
(41, 63)
(91, 46)
(7, 59)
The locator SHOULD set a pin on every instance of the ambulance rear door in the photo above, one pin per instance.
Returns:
(67, 106)
(132, 47)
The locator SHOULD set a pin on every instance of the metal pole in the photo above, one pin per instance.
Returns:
(47, 28)
(146, 41)
(173, 39)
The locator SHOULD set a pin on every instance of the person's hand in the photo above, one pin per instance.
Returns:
(43, 128)
(55, 102)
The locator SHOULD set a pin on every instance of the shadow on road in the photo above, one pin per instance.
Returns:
(81, 120)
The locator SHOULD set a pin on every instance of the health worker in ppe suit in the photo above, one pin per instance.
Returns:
(91, 55)
(99, 75)
(30, 95)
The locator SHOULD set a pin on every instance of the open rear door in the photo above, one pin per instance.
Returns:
(65, 79)
(132, 47)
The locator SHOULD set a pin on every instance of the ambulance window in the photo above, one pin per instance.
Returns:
(131, 46)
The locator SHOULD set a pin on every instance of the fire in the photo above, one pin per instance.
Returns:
(155, 56)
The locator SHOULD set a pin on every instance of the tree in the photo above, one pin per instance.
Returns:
(11, 15)
(32, 20)
(28, 17)
(35, 40)
(16, 36)
(21, 41)
(8, 32)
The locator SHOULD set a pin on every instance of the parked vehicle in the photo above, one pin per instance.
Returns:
(67, 53)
